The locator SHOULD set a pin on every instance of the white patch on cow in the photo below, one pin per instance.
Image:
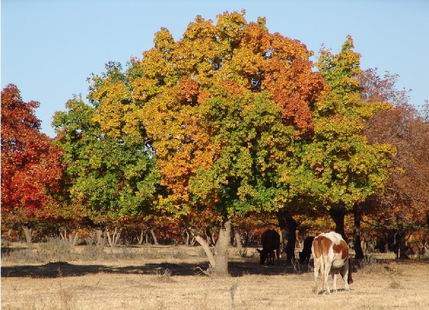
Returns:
(333, 236)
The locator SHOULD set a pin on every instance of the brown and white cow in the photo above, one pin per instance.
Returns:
(331, 257)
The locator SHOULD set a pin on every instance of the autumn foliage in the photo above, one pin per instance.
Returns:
(174, 88)
(229, 122)
(31, 167)
(404, 204)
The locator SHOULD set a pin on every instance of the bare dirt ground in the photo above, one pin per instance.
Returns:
(169, 278)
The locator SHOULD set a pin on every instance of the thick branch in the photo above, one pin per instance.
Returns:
(207, 250)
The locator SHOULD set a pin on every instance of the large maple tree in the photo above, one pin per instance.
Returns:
(31, 168)
(221, 108)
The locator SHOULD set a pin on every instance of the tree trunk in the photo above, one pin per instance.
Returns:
(218, 261)
(141, 237)
(237, 238)
(100, 237)
(70, 237)
(63, 235)
(188, 237)
(291, 239)
(75, 238)
(357, 233)
(288, 223)
(337, 215)
(109, 239)
(209, 236)
(114, 238)
(155, 241)
(221, 250)
(28, 233)
(400, 245)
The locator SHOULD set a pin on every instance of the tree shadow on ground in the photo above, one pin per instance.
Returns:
(64, 269)
(236, 269)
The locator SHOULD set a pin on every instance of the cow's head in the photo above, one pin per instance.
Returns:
(263, 254)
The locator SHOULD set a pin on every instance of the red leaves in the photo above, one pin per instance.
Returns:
(30, 162)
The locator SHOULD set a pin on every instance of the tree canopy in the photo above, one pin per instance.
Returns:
(31, 168)
(221, 107)
(345, 167)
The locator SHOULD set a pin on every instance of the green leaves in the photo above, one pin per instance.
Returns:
(254, 141)
(343, 166)
(110, 176)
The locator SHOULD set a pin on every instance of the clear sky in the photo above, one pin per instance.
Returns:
(50, 47)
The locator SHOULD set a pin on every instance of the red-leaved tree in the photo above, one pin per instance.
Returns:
(31, 168)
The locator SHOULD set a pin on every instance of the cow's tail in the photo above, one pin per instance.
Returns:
(349, 277)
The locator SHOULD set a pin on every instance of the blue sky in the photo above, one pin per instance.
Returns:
(49, 48)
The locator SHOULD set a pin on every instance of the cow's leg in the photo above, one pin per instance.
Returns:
(327, 262)
(334, 277)
(317, 267)
(346, 276)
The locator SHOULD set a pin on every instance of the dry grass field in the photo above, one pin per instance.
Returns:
(168, 277)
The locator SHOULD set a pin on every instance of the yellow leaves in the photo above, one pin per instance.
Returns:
(245, 61)
(200, 28)
(230, 25)
(368, 110)
(111, 110)
(163, 40)
(116, 114)
(156, 65)
(144, 88)
(131, 122)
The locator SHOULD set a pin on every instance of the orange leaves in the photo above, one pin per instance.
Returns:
(187, 90)
(256, 38)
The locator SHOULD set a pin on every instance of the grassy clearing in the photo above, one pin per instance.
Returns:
(143, 281)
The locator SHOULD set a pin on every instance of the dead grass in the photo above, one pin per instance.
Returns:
(172, 282)
(57, 250)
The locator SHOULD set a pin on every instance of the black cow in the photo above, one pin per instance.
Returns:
(304, 256)
(270, 240)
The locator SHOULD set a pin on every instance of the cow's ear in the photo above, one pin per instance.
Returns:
(258, 250)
